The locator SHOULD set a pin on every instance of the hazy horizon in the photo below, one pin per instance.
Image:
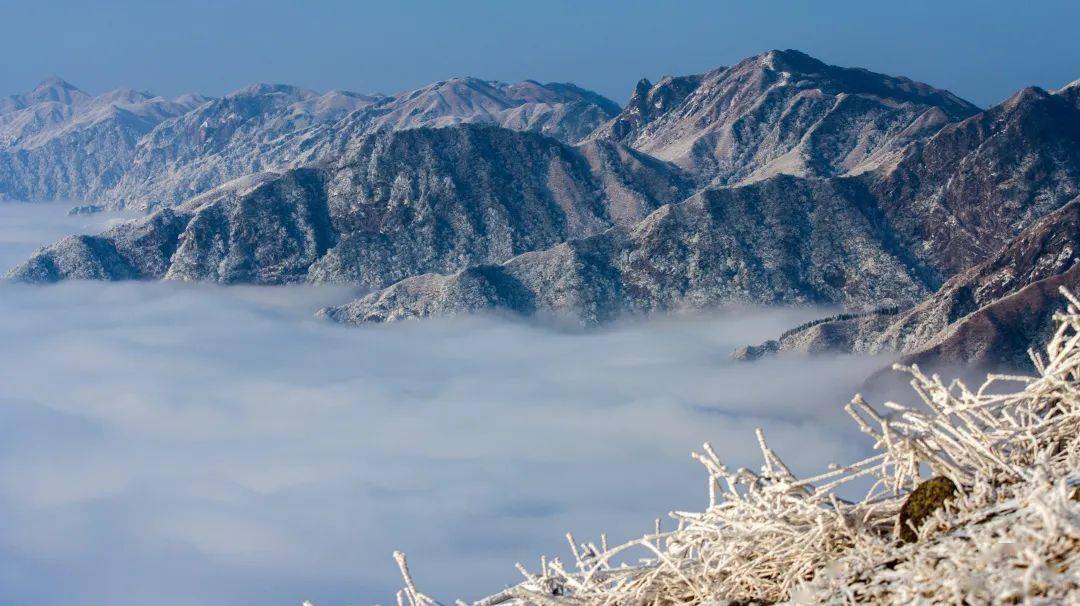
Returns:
(980, 51)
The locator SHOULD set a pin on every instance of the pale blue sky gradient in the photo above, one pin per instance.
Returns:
(982, 51)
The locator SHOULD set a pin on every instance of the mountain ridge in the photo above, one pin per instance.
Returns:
(709, 123)
(397, 203)
(778, 180)
(948, 199)
(166, 157)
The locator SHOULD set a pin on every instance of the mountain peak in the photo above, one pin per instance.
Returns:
(642, 87)
(722, 124)
(1024, 97)
(265, 88)
(55, 82)
(789, 60)
(55, 89)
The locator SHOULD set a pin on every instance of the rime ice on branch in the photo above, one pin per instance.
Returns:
(1012, 534)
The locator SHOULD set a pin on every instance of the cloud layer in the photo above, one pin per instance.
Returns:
(193, 444)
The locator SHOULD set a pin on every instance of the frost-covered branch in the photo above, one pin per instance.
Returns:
(1012, 532)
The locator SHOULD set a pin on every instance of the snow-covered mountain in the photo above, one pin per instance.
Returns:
(778, 180)
(781, 112)
(392, 205)
(779, 241)
(128, 149)
(964, 192)
(58, 142)
(883, 238)
(989, 314)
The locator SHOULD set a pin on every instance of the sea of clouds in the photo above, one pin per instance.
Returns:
(180, 444)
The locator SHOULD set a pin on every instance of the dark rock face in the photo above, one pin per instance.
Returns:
(392, 206)
(782, 112)
(975, 185)
(779, 241)
(58, 142)
(990, 314)
(928, 497)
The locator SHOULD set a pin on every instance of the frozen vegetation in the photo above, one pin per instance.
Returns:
(1009, 532)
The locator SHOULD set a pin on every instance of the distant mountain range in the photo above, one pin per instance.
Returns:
(779, 180)
(130, 149)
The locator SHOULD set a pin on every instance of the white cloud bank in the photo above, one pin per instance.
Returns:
(191, 444)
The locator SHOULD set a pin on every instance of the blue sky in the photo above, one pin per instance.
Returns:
(981, 50)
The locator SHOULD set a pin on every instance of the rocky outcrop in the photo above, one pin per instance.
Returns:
(780, 241)
(927, 498)
(781, 112)
(392, 205)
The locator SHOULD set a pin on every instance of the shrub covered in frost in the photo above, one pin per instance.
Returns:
(1010, 533)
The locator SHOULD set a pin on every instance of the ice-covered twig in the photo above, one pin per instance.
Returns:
(1013, 532)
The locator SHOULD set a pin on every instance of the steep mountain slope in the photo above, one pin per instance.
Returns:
(970, 199)
(974, 185)
(241, 133)
(781, 112)
(58, 142)
(944, 204)
(783, 240)
(277, 127)
(991, 313)
(391, 206)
